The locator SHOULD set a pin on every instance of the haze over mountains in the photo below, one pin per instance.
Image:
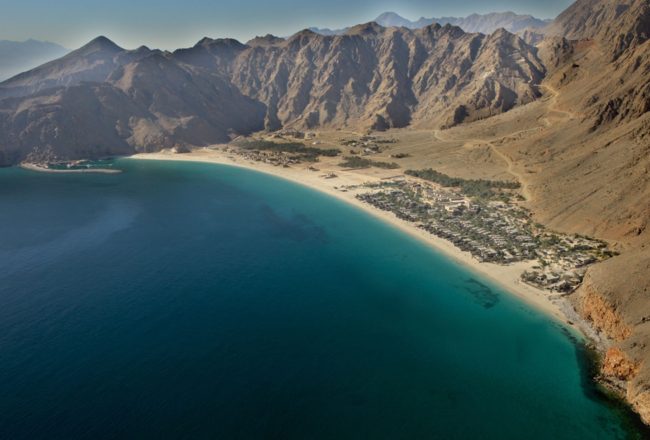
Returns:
(485, 24)
(147, 99)
(16, 57)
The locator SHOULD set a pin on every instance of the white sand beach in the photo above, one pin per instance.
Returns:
(507, 277)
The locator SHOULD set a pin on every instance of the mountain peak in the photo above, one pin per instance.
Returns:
(501, 32)
(393, 19)
(266, 40)
(203, 41)
(303, 35)
(370, 28)
(207, 42)
(100, 43)
(306, 32)
(104, 42)
(390, 15)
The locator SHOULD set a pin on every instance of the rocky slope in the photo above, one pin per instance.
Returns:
(589, 171)
(616, 25)
(615, 298)
(409, 77)
(102, 100)
(93, 63)
(147, 100)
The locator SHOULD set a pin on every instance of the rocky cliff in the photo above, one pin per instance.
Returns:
(614, 298)
(588, 169)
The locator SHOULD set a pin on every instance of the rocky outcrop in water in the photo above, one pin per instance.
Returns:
(614, 299)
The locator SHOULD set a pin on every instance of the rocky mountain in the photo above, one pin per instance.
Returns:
(613, 37)
(618, 26)
(16, 57)
(488, 23)
(485, 24)
(93, 62)
(589, 171)
(103, 100)
(586, 164)
(146, 99)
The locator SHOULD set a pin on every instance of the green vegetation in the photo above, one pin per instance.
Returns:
(361, 162)
(305, 152)
(81, 164)
(481, 188)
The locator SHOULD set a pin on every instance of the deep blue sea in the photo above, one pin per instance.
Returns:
(180, 300)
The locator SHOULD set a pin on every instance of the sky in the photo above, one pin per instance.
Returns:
(170, 24)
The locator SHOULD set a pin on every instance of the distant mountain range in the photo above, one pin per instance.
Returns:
(16, 57)
(485, 24)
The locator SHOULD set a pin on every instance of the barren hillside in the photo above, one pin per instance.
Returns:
(144, 100)
(587, 168)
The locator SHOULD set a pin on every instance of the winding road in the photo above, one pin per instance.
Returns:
(552, 108)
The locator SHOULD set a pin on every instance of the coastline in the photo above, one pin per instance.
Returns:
(507, 277)
(41, 169)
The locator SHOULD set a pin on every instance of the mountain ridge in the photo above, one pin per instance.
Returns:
(474, 23)
(436, 75)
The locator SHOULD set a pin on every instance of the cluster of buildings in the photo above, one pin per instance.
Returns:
(480, 229)
(562, 265)
(495, 232)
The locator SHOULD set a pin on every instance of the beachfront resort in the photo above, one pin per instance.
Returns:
(482, 217)
(493, 231)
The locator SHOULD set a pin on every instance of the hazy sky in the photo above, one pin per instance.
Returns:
(169, 24)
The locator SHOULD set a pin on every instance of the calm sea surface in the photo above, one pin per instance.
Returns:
(181, 300)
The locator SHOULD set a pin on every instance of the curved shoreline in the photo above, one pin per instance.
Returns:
(507, 277)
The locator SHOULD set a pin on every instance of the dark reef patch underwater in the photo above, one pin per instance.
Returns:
(201, 301)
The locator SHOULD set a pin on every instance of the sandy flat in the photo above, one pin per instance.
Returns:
(506, 276)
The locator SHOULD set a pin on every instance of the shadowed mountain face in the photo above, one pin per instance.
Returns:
(145, 100)
(16, 57)
(102, 100)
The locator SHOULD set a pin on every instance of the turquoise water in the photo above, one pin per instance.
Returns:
(181, 300)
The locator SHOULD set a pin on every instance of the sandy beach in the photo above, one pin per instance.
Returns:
(507, 277)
